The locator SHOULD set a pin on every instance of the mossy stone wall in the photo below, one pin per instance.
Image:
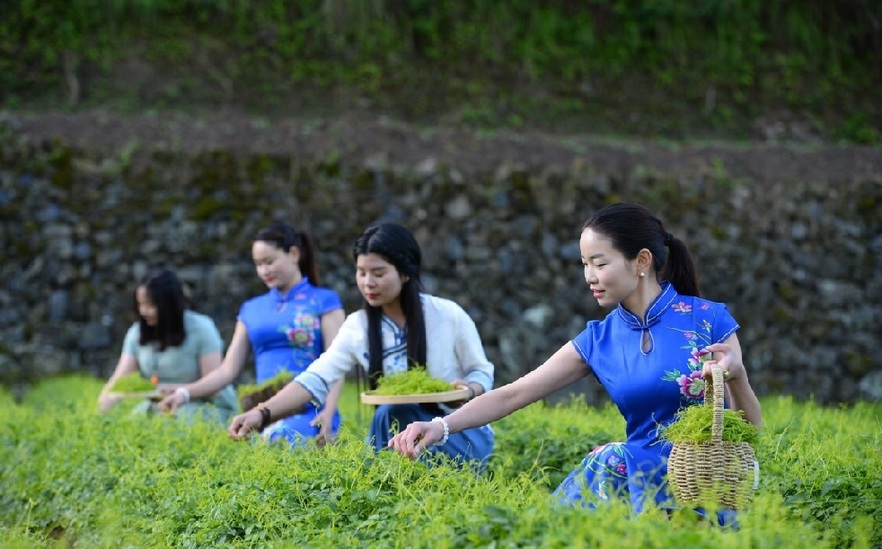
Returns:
(799, 261)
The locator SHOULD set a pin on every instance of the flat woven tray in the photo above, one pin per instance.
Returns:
(152, 395)
(446, 396)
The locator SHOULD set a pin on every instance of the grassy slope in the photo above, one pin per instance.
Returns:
(668, 69)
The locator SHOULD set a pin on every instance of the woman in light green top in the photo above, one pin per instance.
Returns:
(171, 344)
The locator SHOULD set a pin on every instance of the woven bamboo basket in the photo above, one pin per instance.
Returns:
(251, 400)
(717, 472)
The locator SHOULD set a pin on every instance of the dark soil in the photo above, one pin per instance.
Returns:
(359, 138)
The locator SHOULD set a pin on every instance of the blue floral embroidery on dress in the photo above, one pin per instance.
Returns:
(692, 384)
(301, 331)
(609, 469)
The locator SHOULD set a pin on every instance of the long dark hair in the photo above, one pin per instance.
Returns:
(397, 245)
(167, 294)
(632, 227)
(284, 236)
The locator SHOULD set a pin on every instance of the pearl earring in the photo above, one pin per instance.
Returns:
(642, 275)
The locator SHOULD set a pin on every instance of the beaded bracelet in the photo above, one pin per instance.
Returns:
(443, 423)
(265, 415)
(183, 391)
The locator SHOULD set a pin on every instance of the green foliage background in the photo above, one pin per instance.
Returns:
(72, 477)
(646, 66)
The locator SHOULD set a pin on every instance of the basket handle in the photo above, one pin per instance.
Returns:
(717, 384)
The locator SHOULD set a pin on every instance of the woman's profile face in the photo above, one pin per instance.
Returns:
(146, 308)
(378, 280)
(611, 277)
(275, 267)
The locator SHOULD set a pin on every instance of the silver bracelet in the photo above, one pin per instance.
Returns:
(184, 392)
(443, 423)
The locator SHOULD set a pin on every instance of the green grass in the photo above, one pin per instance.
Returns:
(645, 67)
(72, 477)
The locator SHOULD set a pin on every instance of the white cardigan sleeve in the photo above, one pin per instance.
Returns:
(470, 354)
(455, 350)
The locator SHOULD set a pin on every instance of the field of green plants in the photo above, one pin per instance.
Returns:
(70, 477)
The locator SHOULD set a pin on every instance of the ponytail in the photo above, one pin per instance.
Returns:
(679, 269)
(308, 264)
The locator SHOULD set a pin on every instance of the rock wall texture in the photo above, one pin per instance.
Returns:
(795, 252)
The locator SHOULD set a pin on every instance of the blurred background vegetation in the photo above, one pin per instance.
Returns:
(650, 68)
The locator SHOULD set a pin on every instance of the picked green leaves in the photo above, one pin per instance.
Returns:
(694, 424)
(132, 383)
(415, 381)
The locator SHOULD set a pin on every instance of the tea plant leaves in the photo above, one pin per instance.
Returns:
(415, 381)
(72, 477)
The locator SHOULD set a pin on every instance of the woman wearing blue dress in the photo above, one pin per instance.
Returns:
(652, 354)
(285, 329)
(398, 327)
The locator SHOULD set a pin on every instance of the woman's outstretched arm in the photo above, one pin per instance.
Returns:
(561, 369)
(208, 385)
(292, 399)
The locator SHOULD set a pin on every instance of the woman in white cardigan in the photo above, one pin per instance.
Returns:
(397, 328)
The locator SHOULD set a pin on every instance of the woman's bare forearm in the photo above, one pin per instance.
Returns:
(742, 397)
(561, 369)
(292, 399)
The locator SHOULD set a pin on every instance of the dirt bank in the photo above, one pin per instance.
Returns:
(386, 142)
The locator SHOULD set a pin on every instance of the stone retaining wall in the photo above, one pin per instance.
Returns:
(798, 261)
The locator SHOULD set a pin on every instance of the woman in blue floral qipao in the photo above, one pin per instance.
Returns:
(652, 354)
(286, 329)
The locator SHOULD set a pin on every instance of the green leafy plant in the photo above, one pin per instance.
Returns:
(658, 58)
(415, 381)
(132, 383)
(693, 424)
(75, 477)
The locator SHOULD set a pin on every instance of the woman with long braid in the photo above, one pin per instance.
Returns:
(399, 327)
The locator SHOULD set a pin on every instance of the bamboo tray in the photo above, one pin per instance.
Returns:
(445, 396)
(152, 395)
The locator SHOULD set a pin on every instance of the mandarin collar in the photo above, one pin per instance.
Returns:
(653, 313)
(279, 296)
